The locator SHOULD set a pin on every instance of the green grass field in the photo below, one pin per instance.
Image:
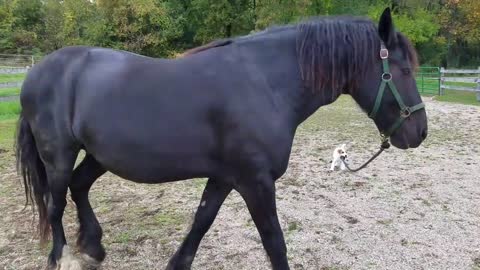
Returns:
(7, 132)
(11, 78)
(7, 92)
(462, 97)
(9, 110)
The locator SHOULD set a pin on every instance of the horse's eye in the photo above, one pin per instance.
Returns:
(406, 71)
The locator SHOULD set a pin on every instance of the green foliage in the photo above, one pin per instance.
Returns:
(54, 24)
(143, 26)
(419, 25)
(445, 32)
(220, 18)
(6, 23)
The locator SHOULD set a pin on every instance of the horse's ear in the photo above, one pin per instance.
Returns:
(386, 30)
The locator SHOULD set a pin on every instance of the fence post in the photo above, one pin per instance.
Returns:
(33, 61)
(438, 74)
(442, 90)
(478, 85)
(423, 83)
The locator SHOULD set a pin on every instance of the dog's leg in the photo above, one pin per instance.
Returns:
(332, 168)
(342, 166)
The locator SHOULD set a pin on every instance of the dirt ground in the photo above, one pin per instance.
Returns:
(414, 209)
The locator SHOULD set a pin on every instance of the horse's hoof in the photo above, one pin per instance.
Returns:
(90, 263)
(68, 261)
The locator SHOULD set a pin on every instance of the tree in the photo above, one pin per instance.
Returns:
(6, 26)
(143, 26)
(27, 25)
(54, 19)
(214, 19)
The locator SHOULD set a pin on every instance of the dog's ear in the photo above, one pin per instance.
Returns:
(343, 146)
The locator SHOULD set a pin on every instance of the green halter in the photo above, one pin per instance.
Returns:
(405, 111)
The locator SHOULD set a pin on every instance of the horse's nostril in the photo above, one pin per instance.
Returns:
(424, 134)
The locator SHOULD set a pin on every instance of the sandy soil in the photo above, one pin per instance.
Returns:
(414, 209)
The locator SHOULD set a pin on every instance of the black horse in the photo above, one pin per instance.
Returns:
(227, 111)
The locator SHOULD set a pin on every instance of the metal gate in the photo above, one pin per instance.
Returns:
(428, 80)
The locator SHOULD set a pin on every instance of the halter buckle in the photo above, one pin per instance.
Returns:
(405, 112)
(383, 53)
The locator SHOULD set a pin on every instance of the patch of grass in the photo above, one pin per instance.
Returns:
(293, 226)
(11, 78)
(340, 118)
(462, 84)
(169, 220)
(9, 108)
(385, 221)
(476, 263)
(462, 97)
(200, 184)
(7, 132)
(334, 267)
(6, 92)
(123, 237)
(428, 85)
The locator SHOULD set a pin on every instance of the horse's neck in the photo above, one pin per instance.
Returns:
(313, 101)
(275, 56)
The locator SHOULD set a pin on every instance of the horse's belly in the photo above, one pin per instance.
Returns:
(154, 155)
(157, 167)
(164, 171)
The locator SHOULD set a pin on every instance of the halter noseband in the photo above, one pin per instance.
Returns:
(405, 111)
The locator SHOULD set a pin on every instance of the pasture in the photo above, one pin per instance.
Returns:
(414, 209)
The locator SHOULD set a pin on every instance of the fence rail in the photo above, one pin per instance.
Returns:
(463, 76)
(11, 84)
(13, 70)
(18, 60)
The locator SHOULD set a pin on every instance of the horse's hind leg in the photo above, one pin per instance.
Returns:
(59, 166)
(213, 196)
(90, 233)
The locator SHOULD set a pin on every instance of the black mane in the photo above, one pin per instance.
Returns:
(335, 52)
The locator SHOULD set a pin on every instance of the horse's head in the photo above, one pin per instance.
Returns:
(389, 91)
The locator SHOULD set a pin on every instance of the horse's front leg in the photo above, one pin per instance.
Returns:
(90, 232)
(213, 196)
(259, 194)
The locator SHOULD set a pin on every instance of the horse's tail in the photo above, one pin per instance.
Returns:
(33, 173)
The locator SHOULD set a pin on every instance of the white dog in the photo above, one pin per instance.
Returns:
(339, 153)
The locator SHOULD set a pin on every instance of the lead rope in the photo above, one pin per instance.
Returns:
(385, 145)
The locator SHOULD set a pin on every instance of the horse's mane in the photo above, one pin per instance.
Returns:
(336, 52)
(333, 52)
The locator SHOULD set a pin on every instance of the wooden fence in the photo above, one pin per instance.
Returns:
(456, 79)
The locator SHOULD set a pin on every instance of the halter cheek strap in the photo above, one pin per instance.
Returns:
(405, 111)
